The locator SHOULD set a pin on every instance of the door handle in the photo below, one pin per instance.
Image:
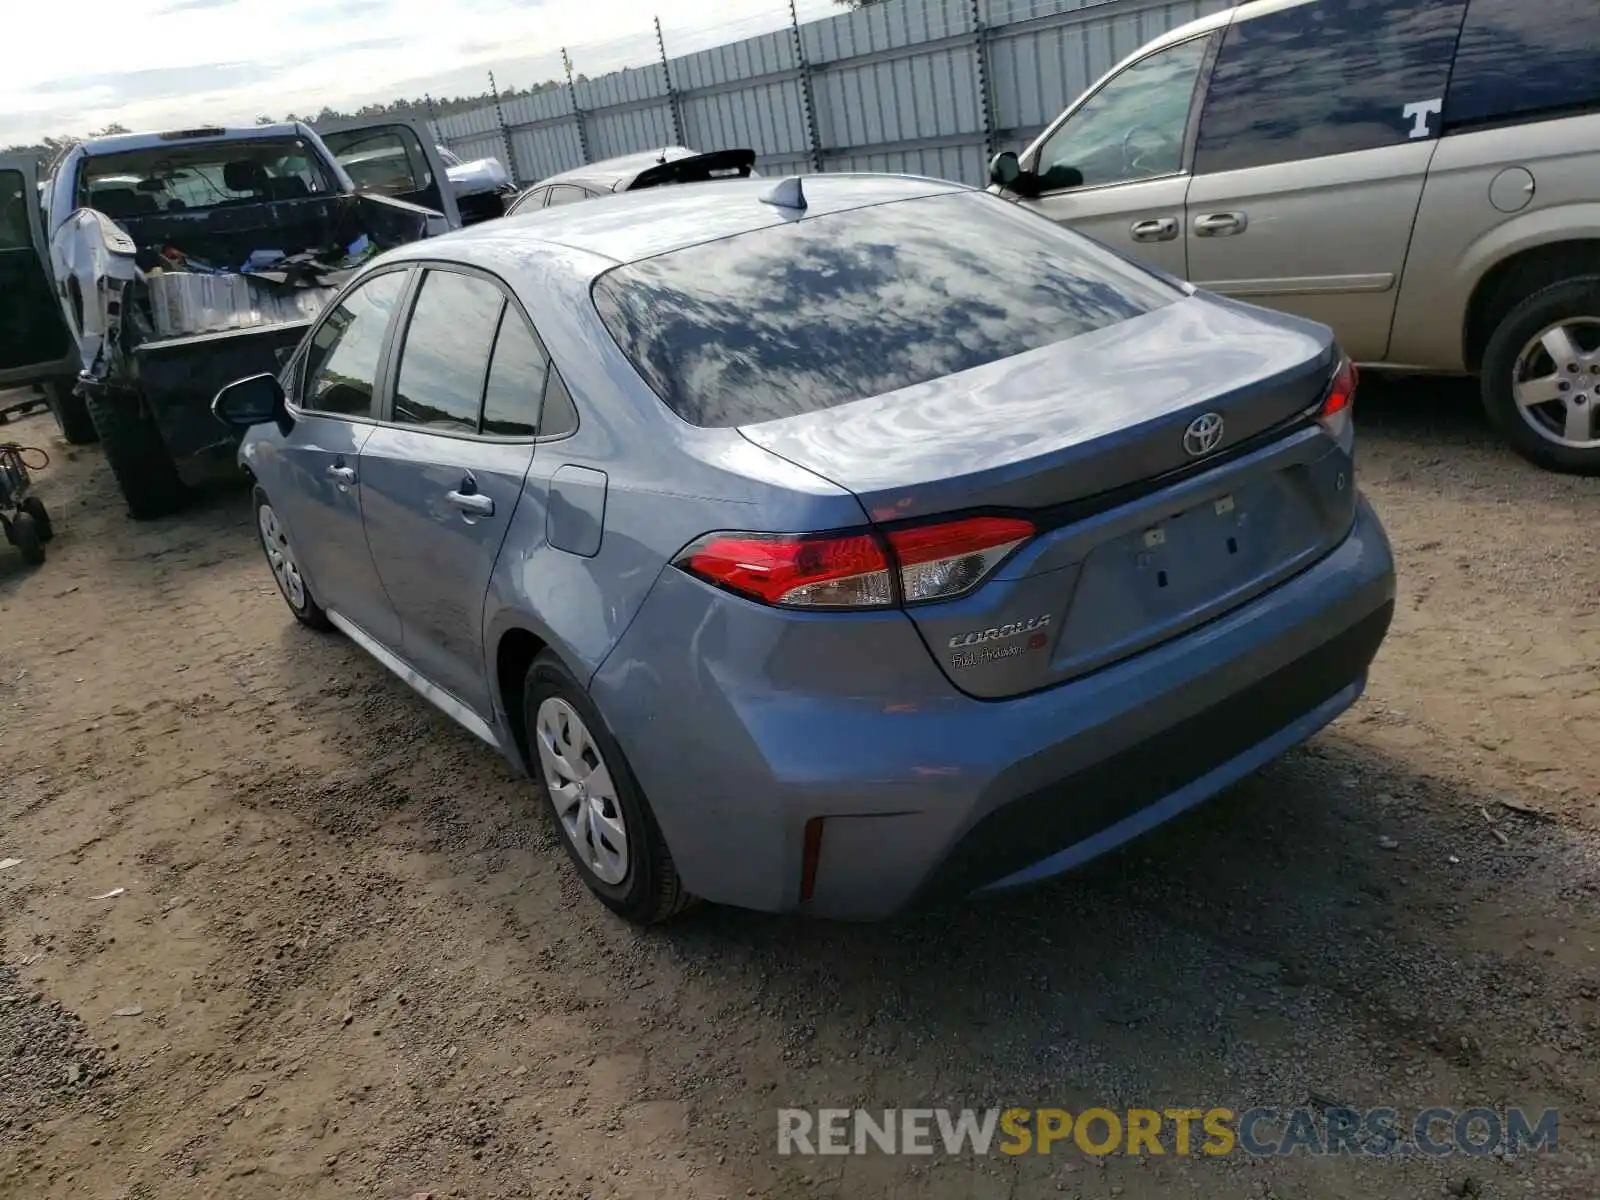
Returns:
(1221, 224)
(343, 476)
(1159, 229)
(472, 503)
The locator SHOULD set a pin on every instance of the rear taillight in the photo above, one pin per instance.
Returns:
(814, 571)
(857, 568)
(944, 560)
(1336, 413)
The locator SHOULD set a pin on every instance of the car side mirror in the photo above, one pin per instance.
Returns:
(1005, 169)
(254, 400)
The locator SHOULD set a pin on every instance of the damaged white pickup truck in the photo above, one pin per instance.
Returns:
(155, 268)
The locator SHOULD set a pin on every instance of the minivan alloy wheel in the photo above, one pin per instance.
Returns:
(1556, 383)
(280, 557)
(582, 790)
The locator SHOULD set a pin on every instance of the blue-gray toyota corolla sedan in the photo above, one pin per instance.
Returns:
(827, 545)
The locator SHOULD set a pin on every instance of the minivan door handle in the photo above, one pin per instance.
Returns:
(1221, 224)
(1158, 229)
(472, 503)
(342, 475)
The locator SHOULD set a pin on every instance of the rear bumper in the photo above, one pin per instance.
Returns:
(740, 733)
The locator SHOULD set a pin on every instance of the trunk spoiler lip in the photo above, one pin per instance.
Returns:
(696, 168)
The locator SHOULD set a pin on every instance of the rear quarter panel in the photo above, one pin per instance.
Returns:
(1460, 235)
(665, 482)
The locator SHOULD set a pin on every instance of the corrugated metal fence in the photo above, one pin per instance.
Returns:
(929, 87)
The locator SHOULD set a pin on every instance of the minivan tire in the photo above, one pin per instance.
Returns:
(1568, 300)
(651, 891)
(71, 413)
(139, 458)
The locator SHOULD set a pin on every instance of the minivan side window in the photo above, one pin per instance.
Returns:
(446, 353)
(1524, 58)
(341, 365)
(1134, 127)
(1327, 77)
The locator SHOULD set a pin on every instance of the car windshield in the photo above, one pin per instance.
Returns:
(822, 311)
(200, 176)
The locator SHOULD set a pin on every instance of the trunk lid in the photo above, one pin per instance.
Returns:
(1140, 536)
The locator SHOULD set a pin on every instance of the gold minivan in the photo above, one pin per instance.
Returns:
(1421, 175)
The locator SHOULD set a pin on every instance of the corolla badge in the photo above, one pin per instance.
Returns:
(1203, 435)
(999, 632)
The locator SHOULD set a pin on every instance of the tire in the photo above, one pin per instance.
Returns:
(649, 890)
(35, 508)
(71, 413)
(139, 458)
(284, 565)
(24, 535)
(1516, 358)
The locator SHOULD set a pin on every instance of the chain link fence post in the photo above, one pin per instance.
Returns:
(672, 93)
(807, 98)
(980, 50)
(572, 95)
(505, 133)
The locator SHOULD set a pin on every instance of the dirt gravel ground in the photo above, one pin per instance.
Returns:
(349, 959)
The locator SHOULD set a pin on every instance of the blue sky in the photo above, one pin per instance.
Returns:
(152, 64)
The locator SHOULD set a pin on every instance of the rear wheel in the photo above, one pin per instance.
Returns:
(139, 458)
(35, 508)
(609, 831)
(1541, 377)
(23, 533)
(71, 413)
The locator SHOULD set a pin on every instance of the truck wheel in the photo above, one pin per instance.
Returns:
(23, 533)
(71, 413)
(1541, 377)
(35, 508)
(138, 457)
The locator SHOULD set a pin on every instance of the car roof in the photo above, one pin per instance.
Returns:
(121, 142)
(609, 173)
(636, 225)
(1205, 24)
(1247, 11)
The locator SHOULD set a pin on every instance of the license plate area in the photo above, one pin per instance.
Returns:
(1187, 566)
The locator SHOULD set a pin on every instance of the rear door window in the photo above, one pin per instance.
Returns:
(564, 193)
(1522, 59)
(516, 379)
(1327, 77)
(529, 201)
(820, 312)
(446, 355)
(341, 368)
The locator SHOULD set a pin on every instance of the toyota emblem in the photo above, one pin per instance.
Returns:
(1203, 435)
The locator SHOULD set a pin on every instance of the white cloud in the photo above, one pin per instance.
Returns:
(159, 63)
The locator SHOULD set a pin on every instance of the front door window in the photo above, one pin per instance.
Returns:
(1133, 128)
(341, 365)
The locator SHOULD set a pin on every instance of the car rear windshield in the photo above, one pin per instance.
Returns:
(200, 175)
(824, 310)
